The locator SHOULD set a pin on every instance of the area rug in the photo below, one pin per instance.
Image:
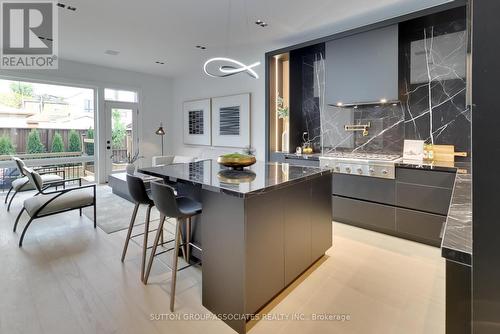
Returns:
(114, 212)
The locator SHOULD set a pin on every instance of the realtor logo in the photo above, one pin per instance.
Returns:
(28, 35)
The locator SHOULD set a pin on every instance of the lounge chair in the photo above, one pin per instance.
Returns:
(47, 203)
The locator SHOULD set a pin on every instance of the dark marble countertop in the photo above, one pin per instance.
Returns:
(457, 166)
(457, 238)
(254, 180)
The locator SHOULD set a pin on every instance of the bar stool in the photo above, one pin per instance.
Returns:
(138, 192)
(183, 209)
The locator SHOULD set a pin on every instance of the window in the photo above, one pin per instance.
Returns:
(120, 95)
(49, 122)
(88, 105)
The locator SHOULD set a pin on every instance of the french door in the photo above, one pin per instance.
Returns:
(121, 139)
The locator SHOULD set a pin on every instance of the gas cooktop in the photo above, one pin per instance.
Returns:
(363, 156)
(363, 164)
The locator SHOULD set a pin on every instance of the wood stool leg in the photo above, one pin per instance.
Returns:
(129, 233)
(159, 233)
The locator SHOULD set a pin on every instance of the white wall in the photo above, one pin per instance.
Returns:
(197, 85)
(155, 95)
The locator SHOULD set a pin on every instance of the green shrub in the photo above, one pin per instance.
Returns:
(34, 142)
(118, 133)
(90, 146)
(6, 146)
(75, 144)
(57, 143)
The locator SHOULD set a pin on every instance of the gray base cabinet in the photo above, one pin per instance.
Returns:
(269, 240)
(420, 226)
(371, 189)
(364, 214)
(413, 206)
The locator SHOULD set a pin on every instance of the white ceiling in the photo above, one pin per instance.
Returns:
(145, 31)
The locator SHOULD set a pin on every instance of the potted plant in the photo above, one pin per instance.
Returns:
(131, 159)
(283, 114)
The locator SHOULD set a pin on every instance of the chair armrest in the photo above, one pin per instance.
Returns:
(50, 184)
(63, 181)
(57, 172)
(62, 191)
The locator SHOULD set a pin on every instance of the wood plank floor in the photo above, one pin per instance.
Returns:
(68, 278)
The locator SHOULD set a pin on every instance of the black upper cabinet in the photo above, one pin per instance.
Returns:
(363, 68)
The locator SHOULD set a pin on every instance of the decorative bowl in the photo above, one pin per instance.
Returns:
(236, 160)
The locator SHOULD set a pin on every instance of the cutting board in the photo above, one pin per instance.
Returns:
(446, 153)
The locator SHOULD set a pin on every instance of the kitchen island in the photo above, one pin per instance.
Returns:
(260, 229)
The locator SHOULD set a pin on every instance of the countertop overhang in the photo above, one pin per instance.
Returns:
(256, 179)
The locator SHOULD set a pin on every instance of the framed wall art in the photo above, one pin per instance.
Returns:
(231, 121)
(197, 122)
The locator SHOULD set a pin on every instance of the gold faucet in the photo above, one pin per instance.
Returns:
(358, 127)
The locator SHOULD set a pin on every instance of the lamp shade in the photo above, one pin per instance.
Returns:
(160, 131)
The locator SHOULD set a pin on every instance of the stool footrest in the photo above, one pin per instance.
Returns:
(161, 244)
(139, 234)
(185, 267)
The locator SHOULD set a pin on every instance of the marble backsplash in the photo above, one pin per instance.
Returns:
(432, 104)
(435, 87)
(385, 134)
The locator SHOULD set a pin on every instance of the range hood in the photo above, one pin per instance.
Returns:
(362, 69)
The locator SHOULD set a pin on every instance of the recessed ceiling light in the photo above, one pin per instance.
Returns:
(159, 62)
(339, 104)
(112, 52)
(261, 23)
(68, 7)
(383, 100)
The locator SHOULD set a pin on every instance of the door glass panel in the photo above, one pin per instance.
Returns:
(121, 137)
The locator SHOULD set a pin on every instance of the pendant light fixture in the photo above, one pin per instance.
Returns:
(221, 67)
